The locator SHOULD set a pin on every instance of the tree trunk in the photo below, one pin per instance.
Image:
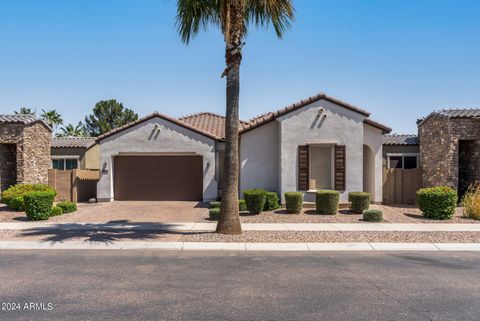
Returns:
(229, 220)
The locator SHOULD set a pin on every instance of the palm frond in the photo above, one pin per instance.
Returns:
(192, 15)
(279, 13)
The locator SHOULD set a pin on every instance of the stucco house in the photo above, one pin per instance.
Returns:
(24, 150)
(318, 143)
(75, 153)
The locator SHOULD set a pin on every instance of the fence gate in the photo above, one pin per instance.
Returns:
(74, 185)
(400, 185)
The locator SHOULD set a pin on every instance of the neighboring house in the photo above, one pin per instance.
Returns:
(317, 143)
(450, 148)
(75, 153)
(24, 150)
(401, 151)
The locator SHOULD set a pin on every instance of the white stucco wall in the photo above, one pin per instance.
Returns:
(171, 138)
(372, 137)
(259, 158)
(341, 127)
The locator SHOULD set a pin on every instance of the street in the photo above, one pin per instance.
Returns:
(160, 285)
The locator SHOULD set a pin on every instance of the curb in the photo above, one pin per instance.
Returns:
(239, 247)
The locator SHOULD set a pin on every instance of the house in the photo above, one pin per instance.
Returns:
(450, 148)
(401, 151)
(24, 150)
(318, 143)
(75, 153)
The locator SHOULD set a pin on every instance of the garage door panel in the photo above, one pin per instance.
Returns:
(157, 178)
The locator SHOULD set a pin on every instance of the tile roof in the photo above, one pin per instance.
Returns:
(21, 119)
(208, 122)
(153, 115)
(400, 139)
(73, 142)
(452, 113)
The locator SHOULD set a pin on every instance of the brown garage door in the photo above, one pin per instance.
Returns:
(158, 178)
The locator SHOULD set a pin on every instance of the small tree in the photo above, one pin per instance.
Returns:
(25, 111)
(72, 131)
(108, 115)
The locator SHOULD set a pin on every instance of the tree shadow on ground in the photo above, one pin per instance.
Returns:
(106, 232)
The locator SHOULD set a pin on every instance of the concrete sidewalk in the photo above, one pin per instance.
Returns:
(208, 227)
(249, 247)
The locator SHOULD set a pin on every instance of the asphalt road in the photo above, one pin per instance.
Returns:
(152, 285)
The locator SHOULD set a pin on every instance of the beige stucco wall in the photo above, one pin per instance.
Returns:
(71, 151)
(92, 157)
(372, 137)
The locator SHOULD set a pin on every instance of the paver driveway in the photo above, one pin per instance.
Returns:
(132, 211)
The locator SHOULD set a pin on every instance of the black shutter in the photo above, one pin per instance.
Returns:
(303, 167)
(340, 167)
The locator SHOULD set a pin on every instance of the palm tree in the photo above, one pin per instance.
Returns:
(232, 17)
(25, 111)
(72, 131)
(52, 118)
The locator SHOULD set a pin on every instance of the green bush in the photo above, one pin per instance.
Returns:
(360, 201)
(18, 190)
(437, 202)
(17, 203)
(242, 205)
(214, 214)
(372, 215)
(294, 202)
(255, 200)
(215, 204)
(327, 202)
(272, 201)
(55, 211)
(38, 205)
(67, 207)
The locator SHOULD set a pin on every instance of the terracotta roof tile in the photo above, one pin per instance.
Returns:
(208, 122)
(73, 142)
(378, 125)
(452, 113)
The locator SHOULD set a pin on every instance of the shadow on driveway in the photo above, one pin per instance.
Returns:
(108, 232)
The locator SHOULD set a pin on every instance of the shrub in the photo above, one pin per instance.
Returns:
(327, 202)
(67, 207)
(55, 211)
(471, 202)
(215, 204)
(17, 203)
(294, 202)
(255, 200)
(437, 202)
(214, 213)
(38, 205)
(360, 201)
(272, 201)
(242, 205)
(18, 190)
(372, 215)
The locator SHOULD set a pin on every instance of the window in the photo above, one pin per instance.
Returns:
(321, 169)
(402, 161)
(65, 163)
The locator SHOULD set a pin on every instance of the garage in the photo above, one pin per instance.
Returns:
(158, 178)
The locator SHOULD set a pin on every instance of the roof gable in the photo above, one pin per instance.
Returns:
(451, 114)
(151, 116)
(22, 119)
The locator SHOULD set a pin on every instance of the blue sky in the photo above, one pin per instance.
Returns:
(397, 59)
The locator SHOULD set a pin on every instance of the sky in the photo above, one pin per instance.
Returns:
(400, 60)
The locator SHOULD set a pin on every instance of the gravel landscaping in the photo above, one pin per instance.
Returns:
(336, 237)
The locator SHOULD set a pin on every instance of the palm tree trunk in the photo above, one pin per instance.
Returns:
(229, 220)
